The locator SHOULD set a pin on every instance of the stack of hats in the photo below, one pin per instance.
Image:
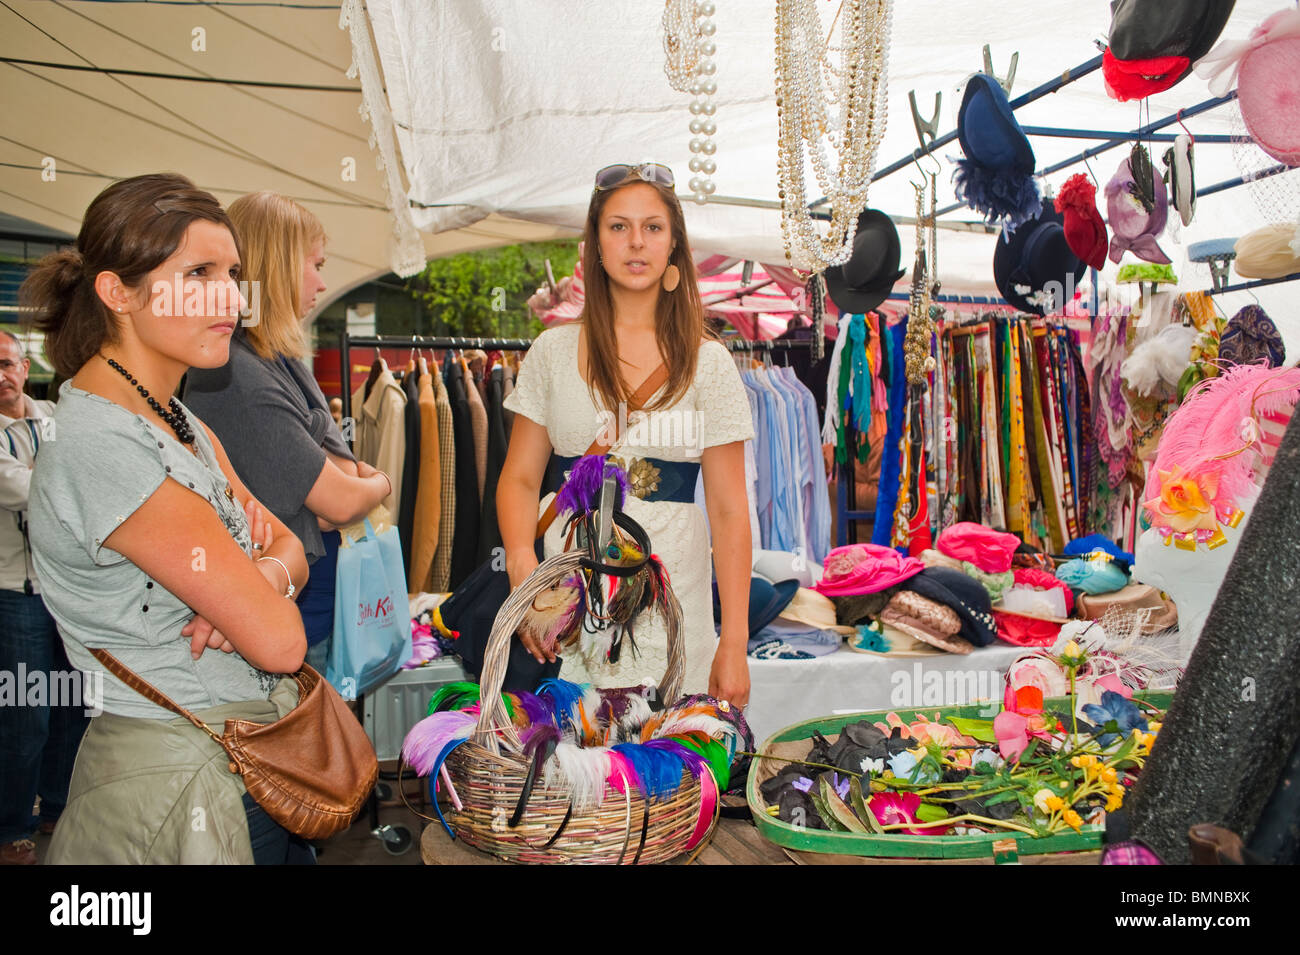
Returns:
(1031, 612)
(1099, 566)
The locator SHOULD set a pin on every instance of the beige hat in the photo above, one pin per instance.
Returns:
(926, 620)
(809, 607)
(1267, 253)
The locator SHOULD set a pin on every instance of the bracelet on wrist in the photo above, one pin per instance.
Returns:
(290, 592)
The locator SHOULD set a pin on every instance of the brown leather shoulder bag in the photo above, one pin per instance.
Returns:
(311, 770)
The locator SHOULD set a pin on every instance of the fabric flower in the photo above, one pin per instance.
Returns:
(1039, 672)
(1021, 718)
(1182, 501)
(1125, 714)
(1040, 799)
(897, 808)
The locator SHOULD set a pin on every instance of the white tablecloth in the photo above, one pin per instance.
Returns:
(788, 691)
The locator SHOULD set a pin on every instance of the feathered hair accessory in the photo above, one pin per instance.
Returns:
(581, 490)
(1203, 475)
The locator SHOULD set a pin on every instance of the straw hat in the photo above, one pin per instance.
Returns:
(809, 607)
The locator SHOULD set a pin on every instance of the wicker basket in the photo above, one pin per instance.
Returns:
(489, 777)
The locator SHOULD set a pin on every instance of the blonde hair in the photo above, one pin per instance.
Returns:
(276, 235)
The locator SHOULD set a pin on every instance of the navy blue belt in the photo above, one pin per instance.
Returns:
(649, 479)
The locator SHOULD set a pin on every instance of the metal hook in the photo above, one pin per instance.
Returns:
(1010, 80)
(925, 127)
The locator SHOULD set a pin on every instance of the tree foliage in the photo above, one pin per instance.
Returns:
(485, 294)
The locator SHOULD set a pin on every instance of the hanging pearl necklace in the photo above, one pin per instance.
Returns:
(818, 103)
(688, 63)
(174, 414)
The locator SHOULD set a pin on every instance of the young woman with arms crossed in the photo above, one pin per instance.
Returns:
(642, 309)
(147, 543)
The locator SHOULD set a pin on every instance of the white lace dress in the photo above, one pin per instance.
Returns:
(714, 410)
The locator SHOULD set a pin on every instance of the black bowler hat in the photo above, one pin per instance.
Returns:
(865, 280)
(963, 594)
(1033, 257)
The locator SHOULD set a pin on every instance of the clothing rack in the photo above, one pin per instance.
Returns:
(766, 344)
(1257, 283)
(348, 342)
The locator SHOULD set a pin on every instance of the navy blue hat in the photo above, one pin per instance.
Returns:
(965, 595)
(997, 176)
(1035, 256)
(766, 601)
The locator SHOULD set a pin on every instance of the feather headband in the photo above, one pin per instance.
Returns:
(1202, 475)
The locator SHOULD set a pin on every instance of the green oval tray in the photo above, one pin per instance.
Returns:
(907, 846)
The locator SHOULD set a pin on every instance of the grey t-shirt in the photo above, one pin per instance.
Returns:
(273, 421)
(103, 463)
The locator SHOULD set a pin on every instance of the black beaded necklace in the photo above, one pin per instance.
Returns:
(175, 417)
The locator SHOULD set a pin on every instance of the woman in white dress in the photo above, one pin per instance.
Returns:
(642, 309)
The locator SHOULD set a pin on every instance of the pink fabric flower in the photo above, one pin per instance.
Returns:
(1020, 720)
(1039, 672)
(895, 808)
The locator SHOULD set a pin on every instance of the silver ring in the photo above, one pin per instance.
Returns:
(257, 547)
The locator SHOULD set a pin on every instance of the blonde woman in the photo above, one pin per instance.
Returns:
(270, 414)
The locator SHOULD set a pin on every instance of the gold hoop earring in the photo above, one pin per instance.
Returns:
(672, 276)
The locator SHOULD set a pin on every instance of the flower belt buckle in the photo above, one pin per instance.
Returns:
(642, 476)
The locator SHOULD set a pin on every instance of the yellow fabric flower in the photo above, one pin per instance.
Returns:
(1182, 501)
(1107, 774)
(1113, 803)
(1072, 819)
(1054, 803)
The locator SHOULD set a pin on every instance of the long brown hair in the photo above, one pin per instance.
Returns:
(130, 229)
(679, 315)
(277, 235)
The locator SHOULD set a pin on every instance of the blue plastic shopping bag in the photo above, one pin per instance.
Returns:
(372, 623)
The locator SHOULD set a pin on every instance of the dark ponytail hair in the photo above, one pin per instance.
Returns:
(130, 229)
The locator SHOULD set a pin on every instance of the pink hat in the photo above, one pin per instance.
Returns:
(1266, 67)
(865, 569)
(987, 549)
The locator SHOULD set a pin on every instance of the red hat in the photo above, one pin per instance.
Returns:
(1085, 231)
(1153, 43)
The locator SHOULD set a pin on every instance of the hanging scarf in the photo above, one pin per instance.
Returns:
(831, 427)
(860, 385)
(1017, 493)
(891, 458)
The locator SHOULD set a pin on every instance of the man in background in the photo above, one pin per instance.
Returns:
(39, 735)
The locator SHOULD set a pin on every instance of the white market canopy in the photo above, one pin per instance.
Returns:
(502, 110)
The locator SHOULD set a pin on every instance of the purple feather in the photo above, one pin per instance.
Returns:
(537, 737)
(428, 737)
(1000, 194)
(536, 709)
(581, 492)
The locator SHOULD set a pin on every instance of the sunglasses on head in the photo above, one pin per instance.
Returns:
(619, 173)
